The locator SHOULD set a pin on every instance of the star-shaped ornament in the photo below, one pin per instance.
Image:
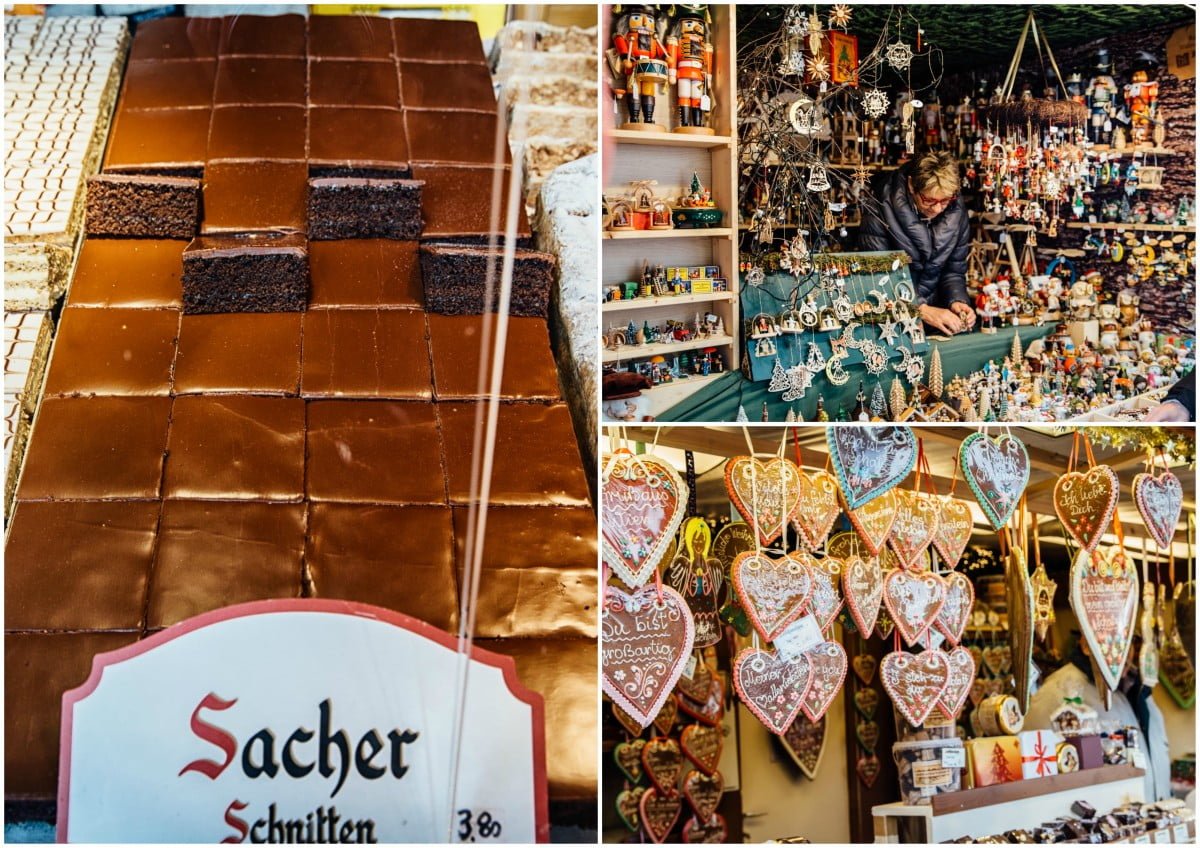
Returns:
(887, 331)
(839, 16)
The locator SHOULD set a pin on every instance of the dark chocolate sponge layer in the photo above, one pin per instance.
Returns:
(143, 206)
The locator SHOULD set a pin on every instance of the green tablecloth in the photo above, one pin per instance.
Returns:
(720, 399)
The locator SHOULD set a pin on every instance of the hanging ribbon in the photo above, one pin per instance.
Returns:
(689, 460)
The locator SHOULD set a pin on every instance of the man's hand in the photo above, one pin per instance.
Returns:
(942, 320)
(965, 312)
(1170, 412)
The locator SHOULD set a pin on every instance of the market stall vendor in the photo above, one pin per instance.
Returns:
(916, 209)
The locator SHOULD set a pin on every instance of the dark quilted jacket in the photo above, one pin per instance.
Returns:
(938, 248)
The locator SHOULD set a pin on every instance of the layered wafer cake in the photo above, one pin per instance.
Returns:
(270, 406)
(26, 349)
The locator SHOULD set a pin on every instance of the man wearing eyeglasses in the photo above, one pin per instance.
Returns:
(916, 209)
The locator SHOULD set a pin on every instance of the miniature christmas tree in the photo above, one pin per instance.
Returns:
(935, 374)
(742, 417)
(878, 403)
(790, 418)
(968, 409)
(696, 189)
(1016, 355)
(1000, 770)
(1004, 407)
(985, 405)
(779, 378)
(897, 398)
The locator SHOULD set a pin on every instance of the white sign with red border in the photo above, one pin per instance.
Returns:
(300, 721)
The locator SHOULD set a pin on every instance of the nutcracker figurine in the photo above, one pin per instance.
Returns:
(689, 63)
(1141, 95)
(642, 60)
(1102, 94)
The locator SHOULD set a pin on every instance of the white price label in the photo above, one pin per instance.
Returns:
(1144, 839)
(689, 668)
(1161, 836)
(933, 639)
(954, 757)
(801, 635)
(1181, 833)
(1138, 757)
(705, 103)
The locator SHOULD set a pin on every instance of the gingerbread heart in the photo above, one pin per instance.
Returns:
(710, 710)
(874, 520)
(997, 470)
(734, 538)
(632, 726)
(870, 460)
(996, 659)
(660, 810)
(845, 545)
(864, 667)
(976, 655)
(644, 643)
(866, 701)
(825, 602)
(862, 585)
(665, 719)
(629, 758)
(867, 769)
(703, 792)
(914, 600)
(702, 745)
(710, 832)
(772, 687)
(827, 662)
(774, 591)
(628, 809)
(978, 691)
(1084, 502)
(1107, 610)
(915, 682)
(958, 686)
(953, 530)
(662, 761)
(696, 687)
(1159, 499)
(805, 743)
(867, 733)
(642, 504)
(817, 508)
(915, 526)
(884, 625)
(952, 618)
(765, 493)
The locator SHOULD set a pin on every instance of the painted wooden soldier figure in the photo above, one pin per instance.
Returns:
(643, 60)
(689, 60)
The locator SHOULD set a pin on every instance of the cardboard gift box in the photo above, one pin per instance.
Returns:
(994, 759)
(1091, 752)
(1039, 753)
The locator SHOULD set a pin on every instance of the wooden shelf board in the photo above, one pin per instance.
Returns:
(692, 382)
(643, 351)
(986, 796)
(719, 232)
(668, 139)
(1129, 151)
(665, 300)
(1155, 228)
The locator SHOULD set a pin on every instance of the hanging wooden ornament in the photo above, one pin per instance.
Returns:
(1020, 624)
(703, 792)
(827, 662)
(771, 686)
(915, 682)
(805, 743)
(646, 637)
(773, 590)
(765, 493)
(1085, 502)
(997, 471)
(660, 810)
(915, 526)
(870, 460)
(712, 831)
(702, 745)
(862, 586)
(816, 509)
(1105, 602)
(1159, 500)
(914, 602)
(873, 521)
(642, 504)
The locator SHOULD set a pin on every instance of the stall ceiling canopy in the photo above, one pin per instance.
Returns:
(981, 35)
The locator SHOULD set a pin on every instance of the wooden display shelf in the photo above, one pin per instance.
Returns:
(1129, 151)
(839, 167)
(1018, 790)
(714, 232)
(642, 351)
(691, 383)
(668, 139)
(665, 300)
(1153, 228)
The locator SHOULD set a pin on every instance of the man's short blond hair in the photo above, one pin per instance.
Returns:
(937, 171)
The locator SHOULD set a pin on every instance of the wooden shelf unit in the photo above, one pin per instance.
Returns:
(671, 159)
(1152, 228)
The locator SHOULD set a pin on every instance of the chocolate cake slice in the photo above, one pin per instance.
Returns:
(455, 278)
(246, 272)
(359, 208)
(143, 206)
